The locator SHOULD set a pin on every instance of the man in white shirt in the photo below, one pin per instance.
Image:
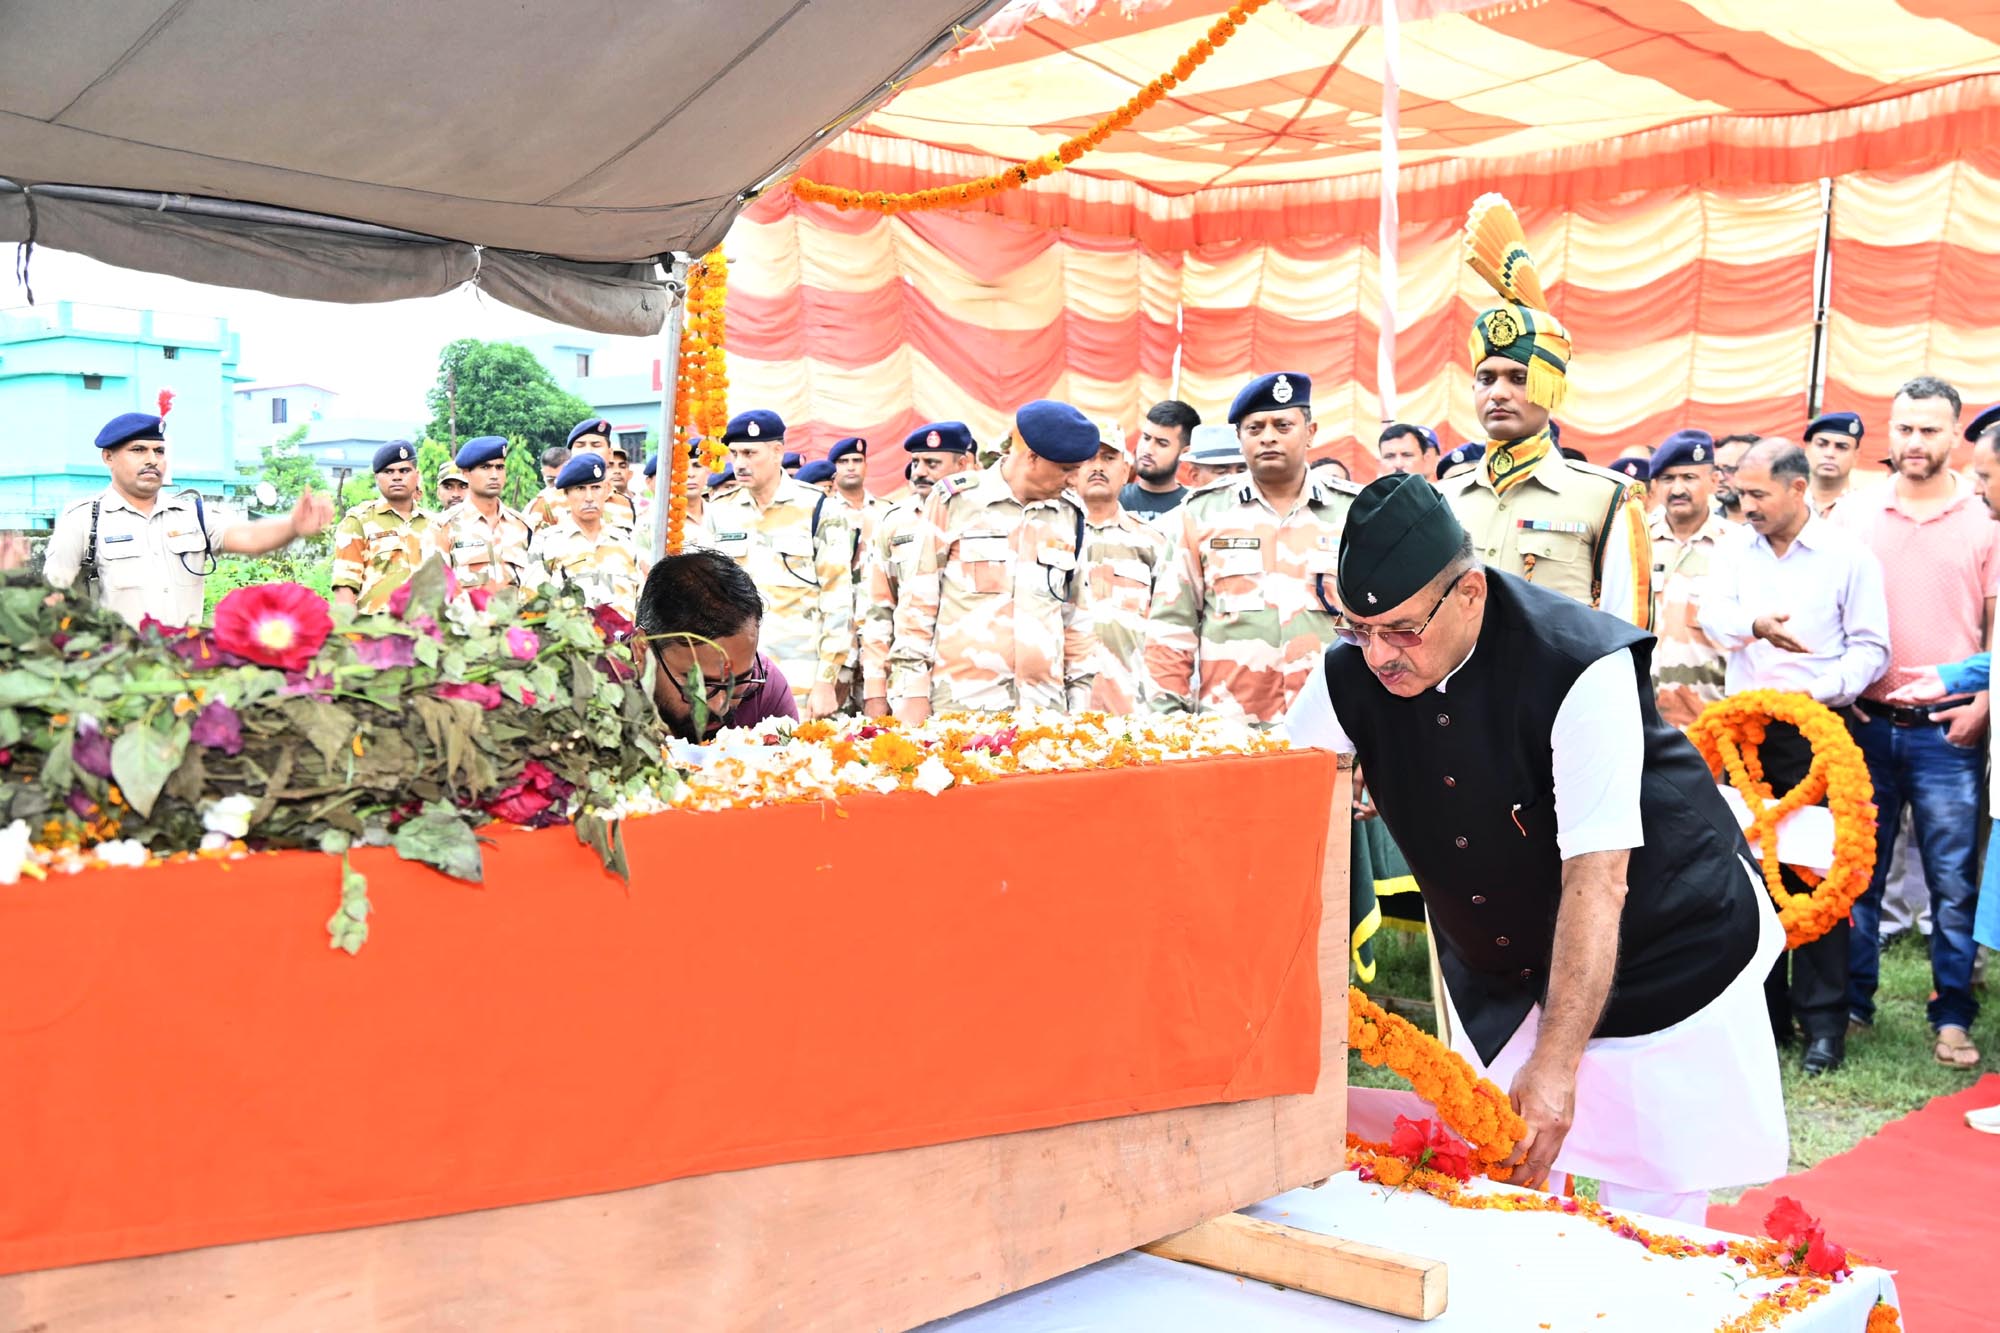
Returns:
(1798, 604)
(1600, 926)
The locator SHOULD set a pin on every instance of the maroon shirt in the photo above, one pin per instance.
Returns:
(773, 700)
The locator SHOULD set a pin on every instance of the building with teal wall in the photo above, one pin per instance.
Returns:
(67, 368)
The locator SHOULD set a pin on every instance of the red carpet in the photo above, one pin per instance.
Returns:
(1921, 1198)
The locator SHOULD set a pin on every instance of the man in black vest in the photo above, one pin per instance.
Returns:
(1600, 924)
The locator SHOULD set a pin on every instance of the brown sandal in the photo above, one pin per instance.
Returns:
(1954, 1048)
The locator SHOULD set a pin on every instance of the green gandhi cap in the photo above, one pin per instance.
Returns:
(1400, 535)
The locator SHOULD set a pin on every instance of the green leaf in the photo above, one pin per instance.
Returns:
(607, 839)
(440, 837)
(347, 928)
(325, 727)
(10, 727)
(427, 589)
(427, 650)
(21, 686)
(143, 758)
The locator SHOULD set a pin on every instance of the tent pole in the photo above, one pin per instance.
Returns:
(1822, 296)
(670, 366)
(1389, 223)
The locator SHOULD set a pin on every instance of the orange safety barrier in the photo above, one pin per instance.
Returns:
(184, 1062)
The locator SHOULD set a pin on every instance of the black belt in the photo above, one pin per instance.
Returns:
(1916, 716)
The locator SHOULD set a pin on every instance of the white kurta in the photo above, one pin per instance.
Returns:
(1694, 1106)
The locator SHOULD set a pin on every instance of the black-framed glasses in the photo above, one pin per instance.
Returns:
(727, 686)
(1359, 635)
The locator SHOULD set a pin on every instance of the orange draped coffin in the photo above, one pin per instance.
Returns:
(184, 1062)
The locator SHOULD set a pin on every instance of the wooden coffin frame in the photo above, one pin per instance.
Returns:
(882, 1241)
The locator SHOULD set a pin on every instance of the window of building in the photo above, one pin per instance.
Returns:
(93, 382)
(633, 440)
(280, 414)
(583, 365)
(171, 353)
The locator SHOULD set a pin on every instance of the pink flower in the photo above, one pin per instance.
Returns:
(389, 650)
(219, 728)
(274, 624)
(479, 597)
(486, 696)
(399, 600)
(523, 643)
(91, 751)
(611, 623)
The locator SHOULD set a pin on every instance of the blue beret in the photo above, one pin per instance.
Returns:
(722, 478)
(1465, 453)
(756, 424)
(1840, 423)
(1426, 437)
(1638, 469)
(815, 472)
(485, 449)
(395, 451)
(1990, 417)
(792, 458)
(940, 437)
(652, 467)
(1683, 449)
(130, 426)
(581, 470)
(1269, 393)
(853, 444)
(1057, 432)
(594, 426)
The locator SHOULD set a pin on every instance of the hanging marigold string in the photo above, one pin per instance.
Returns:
(1473, 1107)
(1728, 734)
(1019, 174)
(701, 387)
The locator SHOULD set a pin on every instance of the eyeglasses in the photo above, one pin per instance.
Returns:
(727, 686)
(1359, 635)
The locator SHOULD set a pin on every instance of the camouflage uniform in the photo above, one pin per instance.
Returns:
(806, 578)
(887, 561)
(488, 552)
(1122, 559)
(552, 506)
(865, 517)
(376, 549)
(1241, 598)
(610, 567)
(991, 617)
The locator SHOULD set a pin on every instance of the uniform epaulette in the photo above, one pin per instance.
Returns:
(956, 483)
(1618, 479)
(1217, 487)
(1350, 489)
(84, 503)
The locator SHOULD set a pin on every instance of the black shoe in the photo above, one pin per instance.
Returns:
(1824, 1055)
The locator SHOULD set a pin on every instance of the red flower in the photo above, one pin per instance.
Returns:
(531, 800)
(1410, 1137)
(479, 597)
(1429, 1146)
(1787, 1222)
(276, 624)
(1823, 1256)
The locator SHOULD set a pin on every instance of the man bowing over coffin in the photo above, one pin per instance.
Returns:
(1602, 929)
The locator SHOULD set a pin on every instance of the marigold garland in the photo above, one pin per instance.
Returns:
(1019, 174)
(701, 386)
(1728, 734)
(1473, 1107)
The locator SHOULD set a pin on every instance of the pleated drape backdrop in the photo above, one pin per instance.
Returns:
(1689, 307)
(1667, 159)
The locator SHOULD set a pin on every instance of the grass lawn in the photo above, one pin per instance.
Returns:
(1889, 1071)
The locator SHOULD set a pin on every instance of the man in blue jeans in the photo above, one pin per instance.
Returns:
(1940, 551)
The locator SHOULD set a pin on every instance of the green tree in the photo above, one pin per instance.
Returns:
(288, 468)
(524, 473)
(500, 389)
(431, 455)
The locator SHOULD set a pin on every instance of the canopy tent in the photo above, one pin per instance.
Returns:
(374, 149)
(1667, 157)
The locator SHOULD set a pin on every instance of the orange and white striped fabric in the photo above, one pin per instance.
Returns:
(1915, 282)
(1664, 156)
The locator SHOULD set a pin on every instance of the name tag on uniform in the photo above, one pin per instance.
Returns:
(111, 540)
(1056, 555)
(902, 537)
(1548, 525)
(1235, 543)
(1329, 541)
(732, 536)
(469, 544)
(978, 548)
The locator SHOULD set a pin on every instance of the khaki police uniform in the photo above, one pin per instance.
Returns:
(147, 563)
(1571, 527)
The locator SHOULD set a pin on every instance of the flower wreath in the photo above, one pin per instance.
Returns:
(1728, 733)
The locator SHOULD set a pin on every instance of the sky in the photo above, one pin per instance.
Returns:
(379, 358)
